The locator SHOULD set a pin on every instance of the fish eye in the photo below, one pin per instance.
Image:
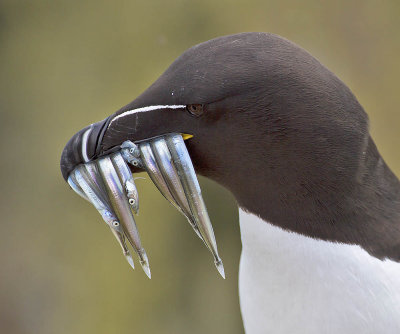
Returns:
(195, 109)
(116, 224)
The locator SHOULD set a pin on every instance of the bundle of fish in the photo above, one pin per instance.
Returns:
(109, 185)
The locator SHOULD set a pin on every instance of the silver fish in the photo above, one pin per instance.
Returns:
(151, 166)
(109, 185)
(187, 175)
(95, 195)
(75, 186)
(119, 234)
(171, 178)
(122, 209)
(92, 192)
(126, 178)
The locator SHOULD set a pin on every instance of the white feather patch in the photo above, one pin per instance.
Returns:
(290, 283)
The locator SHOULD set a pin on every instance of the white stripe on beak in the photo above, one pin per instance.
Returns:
(84, 144)
(144, 109)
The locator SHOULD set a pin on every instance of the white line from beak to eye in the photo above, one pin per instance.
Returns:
(144, 109)
(84, 144)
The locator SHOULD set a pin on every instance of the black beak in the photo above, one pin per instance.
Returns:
(106, 136)
(83, 147)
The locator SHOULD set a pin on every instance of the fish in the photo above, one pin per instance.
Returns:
(108, 184)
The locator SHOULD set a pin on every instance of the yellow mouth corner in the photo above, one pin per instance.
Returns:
(186, 136)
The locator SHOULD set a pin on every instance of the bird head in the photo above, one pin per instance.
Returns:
(252, 104)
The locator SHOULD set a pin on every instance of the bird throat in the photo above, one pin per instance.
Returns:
(362, 208)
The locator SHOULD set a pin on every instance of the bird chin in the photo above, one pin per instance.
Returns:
(108, 184)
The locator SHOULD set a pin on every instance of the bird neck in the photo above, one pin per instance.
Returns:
(361, 208)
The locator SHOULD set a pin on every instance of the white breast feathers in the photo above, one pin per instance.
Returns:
(290, 283)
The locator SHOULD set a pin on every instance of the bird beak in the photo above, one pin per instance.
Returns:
(107, 183)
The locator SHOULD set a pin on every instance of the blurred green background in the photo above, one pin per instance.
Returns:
(66, 64)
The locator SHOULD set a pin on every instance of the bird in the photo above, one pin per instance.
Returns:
(319, 208)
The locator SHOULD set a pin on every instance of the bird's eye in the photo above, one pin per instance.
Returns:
(195, 109)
